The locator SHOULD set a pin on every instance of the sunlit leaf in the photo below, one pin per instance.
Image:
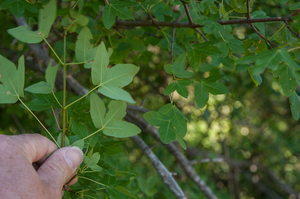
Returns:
(23, 34)
(46, 18)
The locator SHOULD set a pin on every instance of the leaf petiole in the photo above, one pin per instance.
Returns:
(39, 122)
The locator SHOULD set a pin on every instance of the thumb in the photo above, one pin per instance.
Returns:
(60, 167)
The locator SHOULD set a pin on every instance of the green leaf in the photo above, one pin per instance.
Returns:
(208, 49)
(9, 76)
(40, 87)
(117, 110)
(295, 105)
(296, 6)
(282, 1)
(97, 110)
(155, 118)
(21, 76)
(93, 160)
(50, 74)
(195, 58)
(108, 16)
(84, 50)
(99, 66)
(79, 130)
(116, 93)
(201, 95)
(256, 78)
(166, 132)
(215, 88)
(115, 193)
(46, 18)
(180, 88)
(120, 75)
(121, 129)
(59, 140)
(79, 19)
(178, 119)
(27, 36)
(287, 80)
(17, 8)
(78, 143)
(181, 142)
(37, 104)
(269, 58)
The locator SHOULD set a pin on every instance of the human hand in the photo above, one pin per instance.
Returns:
(18, 177)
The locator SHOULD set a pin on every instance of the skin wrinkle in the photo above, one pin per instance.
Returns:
(19, 179)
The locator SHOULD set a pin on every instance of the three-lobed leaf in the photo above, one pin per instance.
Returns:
(12, 80)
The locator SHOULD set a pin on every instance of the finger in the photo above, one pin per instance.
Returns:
(59, 168)
(35, 147)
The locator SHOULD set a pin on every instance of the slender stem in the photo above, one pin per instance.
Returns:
(93, 133)
(64, 92)
(75, 63)
(39, 122)
(57, 123)
(292, 49)
(65, 107)
(53, 51)
(92, 180)
(56, 99)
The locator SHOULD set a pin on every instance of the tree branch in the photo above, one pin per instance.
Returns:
(165, 175)
(290, 29)
(254, 28)
(181, 159)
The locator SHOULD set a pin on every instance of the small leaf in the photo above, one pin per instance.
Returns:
(116, 93)
(93, 160)
(287, 80)
(47, 17)
(79, 19)
(201, 95)
(117, 110)
(156, 118)
(215, 88)
(84, 51)
(99, 66)
(40, 87)
(121, 129)
(181, 142)
(27, 36)
(97, 110)
(50, 74)
(78, 143)
(180, 88)
(108, 16)
(295, 105)
(166, 132)
(10, 82)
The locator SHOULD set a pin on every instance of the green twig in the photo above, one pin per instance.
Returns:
(93, 133)
(39, 122)
(65, 107)
(92, 181)
(53, 51)
(56, 99)
(57, 123)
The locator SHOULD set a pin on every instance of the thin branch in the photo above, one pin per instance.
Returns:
(99, 14)
(187, 12)
(200, 33)
(181, 159)
(153, 21)
(290, 29)
(261, 36)
(187, 25)
(206, 160)
(165, 175)
(172, 44)
(253, 27)
(248, 9)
